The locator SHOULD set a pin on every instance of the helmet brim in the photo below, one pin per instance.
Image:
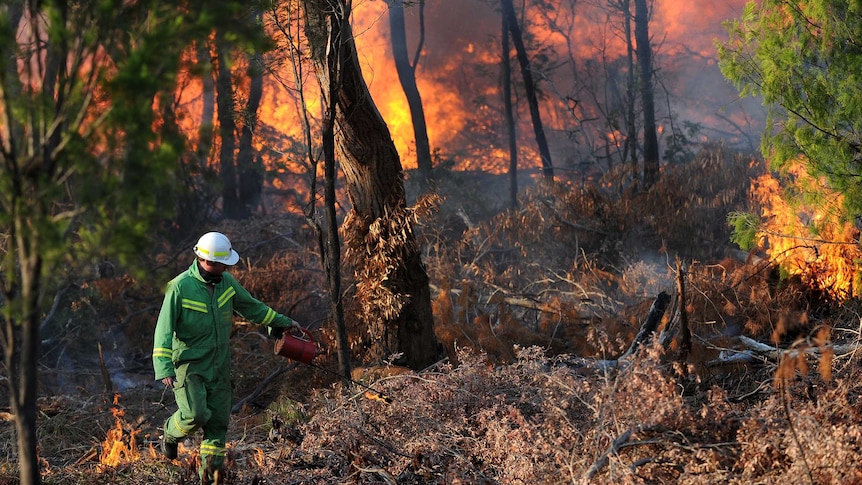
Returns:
(230, 260)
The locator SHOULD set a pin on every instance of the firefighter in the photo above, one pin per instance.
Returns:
(191, 348)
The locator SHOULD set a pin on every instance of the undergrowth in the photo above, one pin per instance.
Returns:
(533, 309)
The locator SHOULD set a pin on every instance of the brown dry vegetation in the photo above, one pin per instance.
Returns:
(525, 301)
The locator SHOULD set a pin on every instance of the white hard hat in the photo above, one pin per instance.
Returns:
(215, 246)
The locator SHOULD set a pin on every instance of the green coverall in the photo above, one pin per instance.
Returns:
(191, 343)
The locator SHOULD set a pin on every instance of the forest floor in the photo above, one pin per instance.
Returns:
(535, 310)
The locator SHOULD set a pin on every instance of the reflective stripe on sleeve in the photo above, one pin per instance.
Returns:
(270, 316)
(162, 352)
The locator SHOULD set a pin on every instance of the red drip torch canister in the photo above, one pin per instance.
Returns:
(302, 349)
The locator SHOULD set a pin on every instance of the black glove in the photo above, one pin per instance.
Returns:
(275, 333)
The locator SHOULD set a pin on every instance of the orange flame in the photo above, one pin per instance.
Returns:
(118, 447)
(811, 241)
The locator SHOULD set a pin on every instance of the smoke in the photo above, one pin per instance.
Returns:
(458, 75)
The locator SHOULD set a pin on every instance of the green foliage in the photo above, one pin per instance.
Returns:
(804, 59)
(89, 168)
(745, 229)
(288, 412)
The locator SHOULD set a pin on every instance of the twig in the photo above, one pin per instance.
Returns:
(385, 475)
(602, 461)
(660, 461)
(106, 376)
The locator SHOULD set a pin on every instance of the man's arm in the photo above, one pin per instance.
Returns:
(163, 364)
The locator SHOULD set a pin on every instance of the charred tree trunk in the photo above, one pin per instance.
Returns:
(227, 130)
(685, 330)
(407, 76)
(529, 87)
(644, 53)
(630, 148)
(248, 163)
(379, 242)
(650, 324)
(241, 170)
(509, 115)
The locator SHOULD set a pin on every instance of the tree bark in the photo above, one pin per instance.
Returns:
(227, 130)
(530, 88)
(249, 166)
(21, 350)
(650, 324)
(379, 239)
(644, 53)
(407, 76)
(509, 117)
(630, 148)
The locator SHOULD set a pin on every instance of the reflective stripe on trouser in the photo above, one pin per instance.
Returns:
(202, 405)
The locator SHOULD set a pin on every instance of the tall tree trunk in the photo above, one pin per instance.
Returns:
(205, 132)
(22, 355)
(332, 246)
(391, 280)
(21, 344)
(509, 116)
(249, 166)
(529, 87)
(644, 53)
(407, 76)
(227, 130)
(630, 148)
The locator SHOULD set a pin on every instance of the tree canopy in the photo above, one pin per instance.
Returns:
(805, 60)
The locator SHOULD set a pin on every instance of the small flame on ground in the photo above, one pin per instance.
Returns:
(259, 457)
(118, 447)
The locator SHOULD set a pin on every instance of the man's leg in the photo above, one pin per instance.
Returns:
(213, 446)
(190, 394)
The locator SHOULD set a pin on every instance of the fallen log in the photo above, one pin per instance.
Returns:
(755, 351)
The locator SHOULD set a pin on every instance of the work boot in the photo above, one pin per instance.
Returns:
(169, 448)
(212, 477)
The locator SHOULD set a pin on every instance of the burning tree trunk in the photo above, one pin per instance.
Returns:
(379, 241)
(530, 88)
(407, 76)
(644, 53)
